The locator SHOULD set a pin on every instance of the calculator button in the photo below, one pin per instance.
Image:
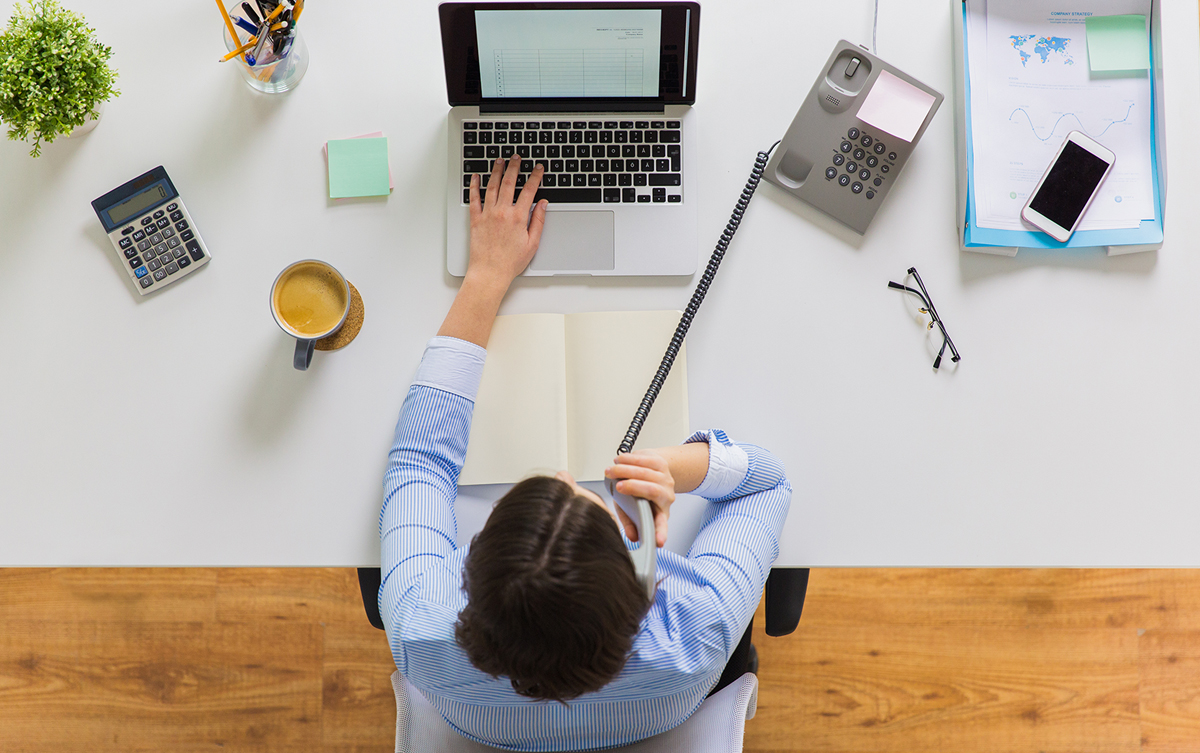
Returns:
(194, 249)
(181, 225)
(128, 230)
(844, 180)
(186, 235)
(879, 149)
(153, 264)
(130, 253)
(176, 215)
(160, 248)
(142, 272)
(164, 222)
(831, 173)
(147, 282)
(879, 181)
(852, 133)
(172, 268)
(859, 154)
(851, 167)
(135, 262)
(184, 261)
(167, 232)
(179, 252)
(156, 238)
(159, 214)
(165, 259)
(866, 140)
(144, 245)
(884, 168)
(846, 146)
(870, 194)
(872, 162)
(892, 156)
(857, 187)
(172, 243)
(139, 235)
(172, 207)
(147, 220)
(839, 159)
(126, 243)
(160, 275)
(864, 174)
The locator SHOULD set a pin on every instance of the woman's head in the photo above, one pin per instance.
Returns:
(552, 599)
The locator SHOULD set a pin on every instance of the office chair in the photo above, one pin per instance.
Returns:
(716, 727)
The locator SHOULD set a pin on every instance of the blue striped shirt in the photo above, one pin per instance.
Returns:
(703, 604)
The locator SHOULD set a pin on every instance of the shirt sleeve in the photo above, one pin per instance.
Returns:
(738, 541)
(417, 527)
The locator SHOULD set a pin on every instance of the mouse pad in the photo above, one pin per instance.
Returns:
(576, 241)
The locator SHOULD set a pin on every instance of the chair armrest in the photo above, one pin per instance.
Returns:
(786, 587)
(368, 582)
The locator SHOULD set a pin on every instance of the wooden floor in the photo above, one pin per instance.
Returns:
(919, 661)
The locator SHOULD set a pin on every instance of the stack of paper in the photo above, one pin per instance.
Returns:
(358, 166)
(1031, 85)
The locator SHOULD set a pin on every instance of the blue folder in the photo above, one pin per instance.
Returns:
(1150, 231)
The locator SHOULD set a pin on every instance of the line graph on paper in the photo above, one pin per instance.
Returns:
(569, 73)
(1066, 116)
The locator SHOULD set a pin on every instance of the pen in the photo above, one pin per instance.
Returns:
(246, 26)
(264, 32)
(249, 10)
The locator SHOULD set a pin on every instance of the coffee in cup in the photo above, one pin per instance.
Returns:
(309, 300)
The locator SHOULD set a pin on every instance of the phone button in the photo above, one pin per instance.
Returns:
(846, 147)
(844, 180)
(831, 173)
(857, 187)
(852, 133)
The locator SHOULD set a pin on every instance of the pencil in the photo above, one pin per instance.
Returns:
(228, 22)
(240, 50)
(274, 13)
(297, 9)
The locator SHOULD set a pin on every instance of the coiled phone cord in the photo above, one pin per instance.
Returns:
(685, 321)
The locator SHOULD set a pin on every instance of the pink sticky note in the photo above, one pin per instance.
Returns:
(374, 135)
(896, 106)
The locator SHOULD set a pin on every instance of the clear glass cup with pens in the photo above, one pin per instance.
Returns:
(263, 42)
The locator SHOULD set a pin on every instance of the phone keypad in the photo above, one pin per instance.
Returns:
(862, 156)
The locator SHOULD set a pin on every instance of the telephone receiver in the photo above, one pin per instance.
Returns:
(645, 557)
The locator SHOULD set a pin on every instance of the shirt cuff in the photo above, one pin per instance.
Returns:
(728, 465)
(451, 365)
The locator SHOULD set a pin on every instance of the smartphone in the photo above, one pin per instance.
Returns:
(1070, 183)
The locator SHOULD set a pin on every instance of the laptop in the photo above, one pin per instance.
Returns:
(600, 94)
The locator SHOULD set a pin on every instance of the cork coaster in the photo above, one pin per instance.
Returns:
(349, 329)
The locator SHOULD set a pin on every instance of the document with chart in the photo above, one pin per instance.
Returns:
(569, 53)
(1031, 86)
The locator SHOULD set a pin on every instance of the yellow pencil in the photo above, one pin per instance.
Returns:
(228, 21)
(249, 45)
(297, 9)
(274, 13)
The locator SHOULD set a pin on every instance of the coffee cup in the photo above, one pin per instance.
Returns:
(309, 300)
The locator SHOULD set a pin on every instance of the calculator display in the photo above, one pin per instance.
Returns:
(137, 203)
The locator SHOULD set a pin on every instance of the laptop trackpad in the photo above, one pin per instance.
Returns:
(576, 241)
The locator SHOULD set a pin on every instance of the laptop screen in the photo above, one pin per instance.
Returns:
(570, 56)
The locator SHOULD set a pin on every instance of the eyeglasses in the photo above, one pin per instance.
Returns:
(929, 309)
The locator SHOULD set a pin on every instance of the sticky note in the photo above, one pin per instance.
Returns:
(895, 106)
(374, 135)
(358, 167)
(1118, 43)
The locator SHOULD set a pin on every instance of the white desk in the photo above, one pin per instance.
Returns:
(173, 429)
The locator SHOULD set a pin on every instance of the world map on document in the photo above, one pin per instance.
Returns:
(1042, 47)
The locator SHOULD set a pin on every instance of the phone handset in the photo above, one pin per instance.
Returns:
(645, 557)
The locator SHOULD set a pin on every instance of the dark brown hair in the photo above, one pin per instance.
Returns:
(552, 599)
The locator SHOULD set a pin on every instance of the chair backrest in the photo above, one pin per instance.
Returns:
(717, 726)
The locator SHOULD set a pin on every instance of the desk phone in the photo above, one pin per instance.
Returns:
(151, 230)
(853, 134)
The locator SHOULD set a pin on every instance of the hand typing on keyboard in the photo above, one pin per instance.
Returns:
(504, 232)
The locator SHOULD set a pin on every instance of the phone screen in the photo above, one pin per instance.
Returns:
(1069, 185)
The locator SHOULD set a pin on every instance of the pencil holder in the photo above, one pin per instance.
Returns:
(274, 74)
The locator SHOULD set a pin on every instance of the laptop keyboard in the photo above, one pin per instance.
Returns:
(585, 162)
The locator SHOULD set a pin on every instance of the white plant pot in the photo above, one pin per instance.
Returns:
(88, 124)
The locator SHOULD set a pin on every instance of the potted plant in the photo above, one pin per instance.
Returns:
(54, 75)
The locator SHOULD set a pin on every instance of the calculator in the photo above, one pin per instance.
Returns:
(151, 230)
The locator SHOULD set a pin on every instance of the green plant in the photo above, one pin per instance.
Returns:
(53, 72)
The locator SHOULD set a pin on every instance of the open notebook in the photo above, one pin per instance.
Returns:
(558, 393)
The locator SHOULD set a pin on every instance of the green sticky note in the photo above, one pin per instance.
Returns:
(1118, 43)
(358, 167)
